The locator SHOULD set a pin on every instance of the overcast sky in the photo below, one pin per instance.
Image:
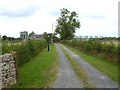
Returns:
(97, 17)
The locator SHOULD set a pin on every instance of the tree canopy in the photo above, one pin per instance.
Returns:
(67, 23)
(31, 34)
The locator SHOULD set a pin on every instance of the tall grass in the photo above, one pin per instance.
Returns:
(109, 51)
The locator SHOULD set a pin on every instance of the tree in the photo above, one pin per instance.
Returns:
(67, 23)
(31, 34)
(56, 39)
(4, 37)
(47, 36)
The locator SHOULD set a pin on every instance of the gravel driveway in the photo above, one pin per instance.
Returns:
(66, 76)
(96, 77)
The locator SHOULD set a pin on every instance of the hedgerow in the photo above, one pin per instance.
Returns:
(24, 50)
(105, 51)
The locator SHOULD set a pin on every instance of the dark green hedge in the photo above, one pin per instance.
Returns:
(25, 50)
(106, 51)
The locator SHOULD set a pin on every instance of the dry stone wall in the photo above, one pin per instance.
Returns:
(7, 70)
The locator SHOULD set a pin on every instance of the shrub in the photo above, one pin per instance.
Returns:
(107, 51)
(25, 50)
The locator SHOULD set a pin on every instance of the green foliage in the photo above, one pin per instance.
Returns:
(56, 39)
(11, 39)
(67, 23)
(4, 37)
(46, 37)
(31, 34)
(109, 51)
(49, 36)
(39, 72)
(25, 50)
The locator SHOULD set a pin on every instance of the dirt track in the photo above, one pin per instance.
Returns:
(68, 79)
(66, 76)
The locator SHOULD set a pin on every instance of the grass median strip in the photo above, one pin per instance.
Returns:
(106, 67)
(82, 75)
(40, 72)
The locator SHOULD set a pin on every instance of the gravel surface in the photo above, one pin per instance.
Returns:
(96, 77)
(66, 76)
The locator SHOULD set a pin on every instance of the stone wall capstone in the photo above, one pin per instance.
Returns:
(7, 70)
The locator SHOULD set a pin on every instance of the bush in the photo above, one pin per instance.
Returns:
(107, 51)
(25, 50)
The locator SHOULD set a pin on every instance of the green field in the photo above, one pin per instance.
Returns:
(40, 72)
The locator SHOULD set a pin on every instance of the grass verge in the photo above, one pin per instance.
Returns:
(40, 72)
(107, 68)
(81, 74)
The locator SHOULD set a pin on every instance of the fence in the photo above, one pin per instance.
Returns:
(8, 70)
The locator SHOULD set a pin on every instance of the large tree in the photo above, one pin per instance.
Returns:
(4, 37)
(31, 34)
(67, 23)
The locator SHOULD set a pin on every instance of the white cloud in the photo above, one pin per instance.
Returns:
(97, 17)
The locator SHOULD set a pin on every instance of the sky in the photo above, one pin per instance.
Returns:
(97, 17)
